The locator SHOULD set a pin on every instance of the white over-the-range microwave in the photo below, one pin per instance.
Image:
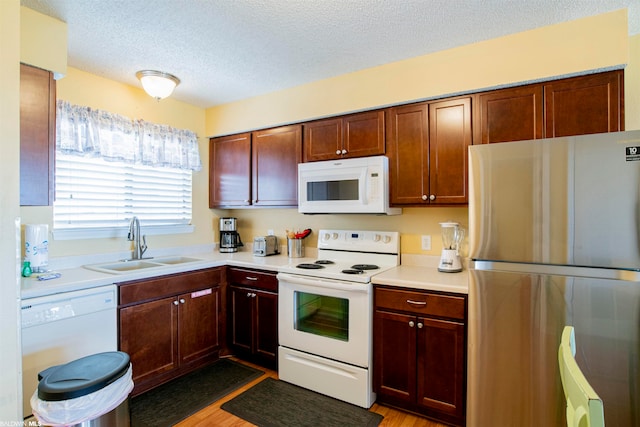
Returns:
(359, 185)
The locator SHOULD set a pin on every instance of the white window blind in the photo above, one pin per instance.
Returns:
(95, 194)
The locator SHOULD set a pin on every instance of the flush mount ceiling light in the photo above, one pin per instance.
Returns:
(157, 84)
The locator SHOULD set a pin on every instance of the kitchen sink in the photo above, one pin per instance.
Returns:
(127, 266)
(176, 260)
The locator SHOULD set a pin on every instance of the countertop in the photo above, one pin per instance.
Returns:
(415, 272)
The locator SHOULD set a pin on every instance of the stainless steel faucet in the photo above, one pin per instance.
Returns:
(134, 236)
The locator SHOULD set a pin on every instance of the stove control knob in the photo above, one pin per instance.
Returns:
(387, 239)
(376, 238)
(334, 236)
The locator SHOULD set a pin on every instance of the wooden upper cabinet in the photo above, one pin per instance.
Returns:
(584, 105)
(230, 171)
(449, 139)
(37, 136)
(354, 135)
(427, 150)
(408, 152)
(275, 157)
(513, 114)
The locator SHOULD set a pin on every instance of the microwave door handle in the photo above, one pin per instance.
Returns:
(362, 183)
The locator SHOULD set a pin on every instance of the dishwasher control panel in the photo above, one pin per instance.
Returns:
(51, 308)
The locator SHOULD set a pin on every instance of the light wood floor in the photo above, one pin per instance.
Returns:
(212, 415)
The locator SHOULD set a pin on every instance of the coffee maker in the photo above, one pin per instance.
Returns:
(229, 238)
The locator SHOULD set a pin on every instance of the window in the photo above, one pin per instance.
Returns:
(98, 194)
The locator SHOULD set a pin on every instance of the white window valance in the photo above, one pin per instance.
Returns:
(85, 131)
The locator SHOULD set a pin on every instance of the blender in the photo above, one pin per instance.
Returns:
(452, 236)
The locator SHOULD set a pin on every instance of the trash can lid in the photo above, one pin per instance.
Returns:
(82, 376)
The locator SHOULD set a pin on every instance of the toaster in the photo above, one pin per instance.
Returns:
(265, 245)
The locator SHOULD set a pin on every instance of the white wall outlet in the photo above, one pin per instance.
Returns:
(426, 242)
(269, 232)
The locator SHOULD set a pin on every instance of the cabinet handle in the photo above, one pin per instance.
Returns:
(253, 295)
(410, 301)
(420, 325)
(344, 151)
(175, 303)
(251, 278)
(424, 197)
(432, 197)
(181, 300)
(338, 152)
(411, 324)
(248, 294)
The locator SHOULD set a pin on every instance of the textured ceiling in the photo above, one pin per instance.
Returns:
(227, 50)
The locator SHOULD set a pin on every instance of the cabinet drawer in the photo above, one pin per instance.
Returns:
(420, 303)
(162, 286)
(253, 279)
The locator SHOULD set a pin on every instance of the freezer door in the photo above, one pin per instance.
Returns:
(563, 201)
(515, 325)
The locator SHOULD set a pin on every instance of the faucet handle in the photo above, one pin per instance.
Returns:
(143, 246)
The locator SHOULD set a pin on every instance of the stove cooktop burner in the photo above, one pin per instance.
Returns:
(365, 267)
(352, 271)
(324, 261)
(308, 266)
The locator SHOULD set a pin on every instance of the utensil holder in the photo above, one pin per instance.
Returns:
(295, 248)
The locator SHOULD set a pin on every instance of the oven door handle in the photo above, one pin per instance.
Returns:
(324, 283)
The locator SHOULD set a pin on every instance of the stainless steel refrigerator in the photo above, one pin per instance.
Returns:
(554, 241)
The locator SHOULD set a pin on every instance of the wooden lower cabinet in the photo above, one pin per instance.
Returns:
(419, 361)
(169, 325)
(253, 315)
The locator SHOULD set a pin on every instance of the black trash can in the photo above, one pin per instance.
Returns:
(92, 391)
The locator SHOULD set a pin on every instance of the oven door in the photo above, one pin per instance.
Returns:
(328, 318)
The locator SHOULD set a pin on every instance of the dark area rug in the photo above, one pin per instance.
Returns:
(277, 403)
(176, 400)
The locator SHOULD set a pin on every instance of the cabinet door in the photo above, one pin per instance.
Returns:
(241, 328)
(584, 105)
(148, 333)
(394, 356)
(230, 171)
(266, 325)
(408, 152)
(449, 139)
(198, 324)
(363, 134)
(276, 154)
(37, 136)
(440, 368)
(513, 114)
(322, 140)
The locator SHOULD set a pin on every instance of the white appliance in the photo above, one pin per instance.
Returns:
(359, 185)
(554, 230)
(63, 327)
(325, 314)
(452, 236)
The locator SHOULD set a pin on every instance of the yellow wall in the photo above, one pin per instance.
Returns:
(43, 41)
(10, 380)
(79, 87)
(593, 43)
(572, 47)
(598, 42)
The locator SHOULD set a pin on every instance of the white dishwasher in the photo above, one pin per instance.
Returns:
(63, 327)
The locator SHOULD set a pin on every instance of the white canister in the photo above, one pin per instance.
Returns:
(36, 246)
